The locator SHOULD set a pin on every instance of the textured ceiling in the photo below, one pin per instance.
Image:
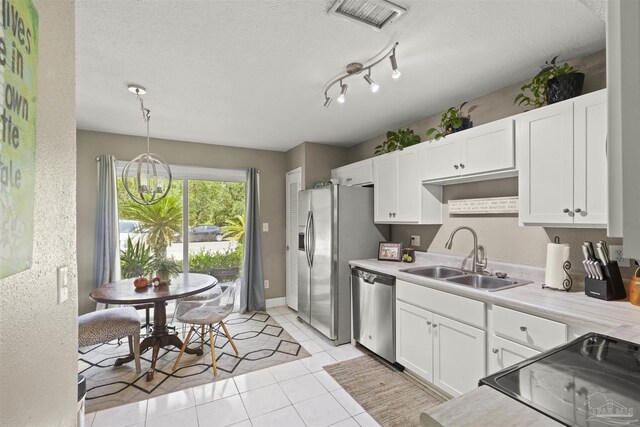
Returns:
(251, 72)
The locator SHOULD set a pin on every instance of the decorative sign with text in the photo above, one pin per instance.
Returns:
(18, 81)
(493, 205)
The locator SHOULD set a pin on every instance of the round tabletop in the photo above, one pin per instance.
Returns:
(124, 292)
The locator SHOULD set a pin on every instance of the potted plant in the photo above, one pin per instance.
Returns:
(453, 120)
(165, 267)
(554, 83)
(403, 138)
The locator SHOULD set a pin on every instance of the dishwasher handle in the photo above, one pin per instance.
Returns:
(371, 278)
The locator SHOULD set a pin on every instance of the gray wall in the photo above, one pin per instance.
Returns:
(124, 147)
(502, 237)
(39, 338)
(316, 161)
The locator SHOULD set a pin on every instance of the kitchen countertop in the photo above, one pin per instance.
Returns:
(568, 307)
(486, 406)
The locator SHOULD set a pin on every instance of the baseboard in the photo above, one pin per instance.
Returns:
(276, 302)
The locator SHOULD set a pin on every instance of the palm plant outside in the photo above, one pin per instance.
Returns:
(234, 228)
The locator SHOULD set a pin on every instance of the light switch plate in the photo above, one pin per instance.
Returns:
(265, 226)
(266, 284)
(63, 284)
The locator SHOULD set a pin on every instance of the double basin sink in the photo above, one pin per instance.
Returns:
(466, 278)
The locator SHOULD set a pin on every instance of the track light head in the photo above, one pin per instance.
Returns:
(327, 101)
(343, 92)
(374, 85)
(394, 66)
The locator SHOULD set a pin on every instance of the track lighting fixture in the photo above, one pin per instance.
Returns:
(357, 68)
(374, 85)
(343, 92)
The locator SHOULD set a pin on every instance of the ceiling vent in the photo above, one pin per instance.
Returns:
(374, 14)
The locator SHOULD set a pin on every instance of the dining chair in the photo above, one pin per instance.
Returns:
(207, 313)
(109, 324)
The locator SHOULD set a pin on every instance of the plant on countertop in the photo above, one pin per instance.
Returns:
(403, 138)
(539, 85)
(136, 260)
(451, 121)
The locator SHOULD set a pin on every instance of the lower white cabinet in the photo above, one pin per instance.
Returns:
(458, 355)
(504, 353)
(440, 350)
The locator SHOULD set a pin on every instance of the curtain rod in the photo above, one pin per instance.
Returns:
(98, 159)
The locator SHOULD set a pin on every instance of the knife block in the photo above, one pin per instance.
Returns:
(611, 288)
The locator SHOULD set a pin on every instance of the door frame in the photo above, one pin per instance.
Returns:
(291, 253)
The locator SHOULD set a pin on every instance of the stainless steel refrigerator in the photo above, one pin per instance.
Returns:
(335, 225)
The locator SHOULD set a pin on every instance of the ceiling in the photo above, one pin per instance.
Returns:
(251, 73)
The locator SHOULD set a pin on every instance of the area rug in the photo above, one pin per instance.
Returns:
(261, 342)
(386, 394)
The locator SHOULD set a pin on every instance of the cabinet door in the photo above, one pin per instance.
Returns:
(545, 147)
(440, 159)
(414, 345)
(385, 178)
(488, 148)
(355, 174)
(409, 186)
(505, 353)
(459, 355)
(590, 148)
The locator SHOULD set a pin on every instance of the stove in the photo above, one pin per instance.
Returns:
(591, 381)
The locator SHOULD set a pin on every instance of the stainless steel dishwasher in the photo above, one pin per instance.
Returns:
(374, 312)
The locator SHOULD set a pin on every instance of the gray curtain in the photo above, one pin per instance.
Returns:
(107, 253)
(252, 289)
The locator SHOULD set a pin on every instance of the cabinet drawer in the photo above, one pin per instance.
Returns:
(453, 306)
(527, 329)
(360, 173)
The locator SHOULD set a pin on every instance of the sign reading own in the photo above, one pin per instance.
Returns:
(18, 79)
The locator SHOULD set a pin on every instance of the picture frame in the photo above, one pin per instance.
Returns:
(388, 251)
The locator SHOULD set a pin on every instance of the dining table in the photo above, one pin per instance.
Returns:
(181, 286)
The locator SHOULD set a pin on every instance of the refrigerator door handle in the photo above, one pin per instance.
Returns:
(307, 239)
(312, 239)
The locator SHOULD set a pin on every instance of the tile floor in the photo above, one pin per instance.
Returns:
(298, 393)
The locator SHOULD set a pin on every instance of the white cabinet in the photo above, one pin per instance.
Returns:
(399, 196)
(354, 174)
(414, 344)
(504, 353)
(562, 163)
(483, 152)
(459, 355)
(435, 347)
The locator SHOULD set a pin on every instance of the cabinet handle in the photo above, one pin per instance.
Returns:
(428, 323)
(577, 210)
(523, 328)
(389, 214)
(566, 210)
(348, 179)
(456, 167)
(394, 214)
(435, 324)
(461, 165)
(495, 350)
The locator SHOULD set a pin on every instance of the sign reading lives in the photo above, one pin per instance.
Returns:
(18, 80)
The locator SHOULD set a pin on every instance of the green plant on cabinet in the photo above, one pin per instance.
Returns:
(452, 120)
(534, 93)
(403, 138)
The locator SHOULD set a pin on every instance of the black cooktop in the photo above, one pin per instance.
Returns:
(591, 381)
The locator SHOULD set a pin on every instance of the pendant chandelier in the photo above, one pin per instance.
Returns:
(147, 178)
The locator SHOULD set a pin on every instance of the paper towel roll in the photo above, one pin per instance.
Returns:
(557, 254)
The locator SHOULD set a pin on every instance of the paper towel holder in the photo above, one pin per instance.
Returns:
(566, 266)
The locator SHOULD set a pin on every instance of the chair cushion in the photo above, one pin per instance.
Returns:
(105, 325)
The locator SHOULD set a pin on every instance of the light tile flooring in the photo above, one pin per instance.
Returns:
(298, 393)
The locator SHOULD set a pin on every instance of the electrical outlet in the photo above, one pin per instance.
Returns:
(615, 251)
(266, 284)
(415, 240)
(63, 285)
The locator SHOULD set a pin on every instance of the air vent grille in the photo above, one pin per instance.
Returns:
(373, 13)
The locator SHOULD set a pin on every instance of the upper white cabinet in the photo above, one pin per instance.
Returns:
(480, 153)
(399, 196)
(354, 174)
(562, 163)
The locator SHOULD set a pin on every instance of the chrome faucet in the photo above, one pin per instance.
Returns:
(478, 265)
